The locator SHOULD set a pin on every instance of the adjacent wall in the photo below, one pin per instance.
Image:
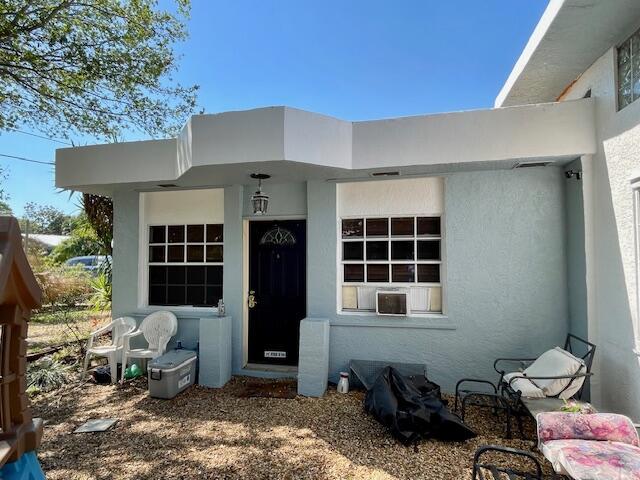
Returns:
(611, 257)
(506, 289)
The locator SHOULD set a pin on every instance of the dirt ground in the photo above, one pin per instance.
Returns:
(208, 433)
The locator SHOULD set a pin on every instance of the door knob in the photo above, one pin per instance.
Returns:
(252, 299)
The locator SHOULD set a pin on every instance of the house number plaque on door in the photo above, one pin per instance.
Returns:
(274, 354)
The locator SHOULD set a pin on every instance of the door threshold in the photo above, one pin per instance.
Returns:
(272, 368)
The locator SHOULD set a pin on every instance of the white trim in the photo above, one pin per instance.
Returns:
(635, 188)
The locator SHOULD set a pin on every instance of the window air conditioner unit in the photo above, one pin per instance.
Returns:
(394, 302)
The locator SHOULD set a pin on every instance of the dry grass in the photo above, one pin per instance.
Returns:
(48, 329)
(207, 433)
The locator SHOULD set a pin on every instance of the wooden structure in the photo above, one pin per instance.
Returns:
(19, 294)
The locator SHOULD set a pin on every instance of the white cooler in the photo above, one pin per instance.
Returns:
(171, 373)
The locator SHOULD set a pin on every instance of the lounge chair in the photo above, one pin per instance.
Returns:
(118, 328)
(558, 373)
(486, 470)
(157, 329)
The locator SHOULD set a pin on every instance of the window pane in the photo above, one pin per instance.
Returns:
(428, 225)
(195, 275)
(157, 234)
(176, 295)
(428, 249)
(176, 233)
(352, 228)
(213, 294)
(157, 275)
(403, 273)
(176, 275)
(377, 227)
(214, 275)
(157, 295)
(175, 253)
(156, 254)
(377, 250)
(195, 253)
(624, 75)
(352, 250)
(635, 65)
(195, 295)
(354, 273)
(195, 233)
(214, 233)
(377, 273)
(402, 250)
(402, 226)
(214, 253)
(429, 273)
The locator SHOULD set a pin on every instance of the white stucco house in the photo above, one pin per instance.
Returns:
(500, 230)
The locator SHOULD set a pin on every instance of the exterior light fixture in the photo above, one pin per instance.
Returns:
(260, 200)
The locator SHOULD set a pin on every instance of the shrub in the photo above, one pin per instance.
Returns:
(64, 286)
(101, 298)
(46, 375)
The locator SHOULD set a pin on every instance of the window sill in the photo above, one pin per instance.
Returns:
(197, 311)
(435, 321)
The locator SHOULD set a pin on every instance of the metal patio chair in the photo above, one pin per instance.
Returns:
(503, 397)
(484, 470)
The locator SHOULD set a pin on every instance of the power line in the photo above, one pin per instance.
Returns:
(26, 159)
(40, 136)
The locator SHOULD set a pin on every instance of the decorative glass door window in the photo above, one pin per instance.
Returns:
(391, 252)
(629, 70)
(185, 264)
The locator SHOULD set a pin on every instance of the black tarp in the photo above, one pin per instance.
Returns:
(412, 409)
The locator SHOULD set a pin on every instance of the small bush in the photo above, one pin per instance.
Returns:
(64, 286)
(101, 298)
(46, 375)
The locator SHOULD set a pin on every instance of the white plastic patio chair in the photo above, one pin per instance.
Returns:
(119, 328)
(157, 329)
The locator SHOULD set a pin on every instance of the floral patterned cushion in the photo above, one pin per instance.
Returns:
(598, 426)
(595, 446)
(593, 460)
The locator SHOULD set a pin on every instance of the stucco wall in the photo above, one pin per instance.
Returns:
(506, 279)
(506, 287)
(611, 257)
(576, 265)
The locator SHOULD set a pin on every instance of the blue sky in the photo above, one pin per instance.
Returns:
(354, 59)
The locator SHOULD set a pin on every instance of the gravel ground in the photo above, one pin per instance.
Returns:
(208, 433)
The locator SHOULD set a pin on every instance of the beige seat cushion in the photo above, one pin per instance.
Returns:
(525, 386)
(553, 363)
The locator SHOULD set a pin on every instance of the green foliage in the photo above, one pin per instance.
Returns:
(5, 209)
(101, 298)
(96, 67)
(46, 219)
(99, 215)
(46, 375)
(4, 174)
(76, 245)
(82, 241)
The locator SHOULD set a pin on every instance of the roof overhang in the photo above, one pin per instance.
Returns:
(570, 37)
(295, 145)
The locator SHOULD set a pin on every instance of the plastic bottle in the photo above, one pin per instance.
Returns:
(343, 384)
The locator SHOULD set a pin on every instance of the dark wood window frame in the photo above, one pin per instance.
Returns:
(185, 264)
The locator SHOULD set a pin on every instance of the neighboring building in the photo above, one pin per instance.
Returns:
(44, 241)
(496, 259)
